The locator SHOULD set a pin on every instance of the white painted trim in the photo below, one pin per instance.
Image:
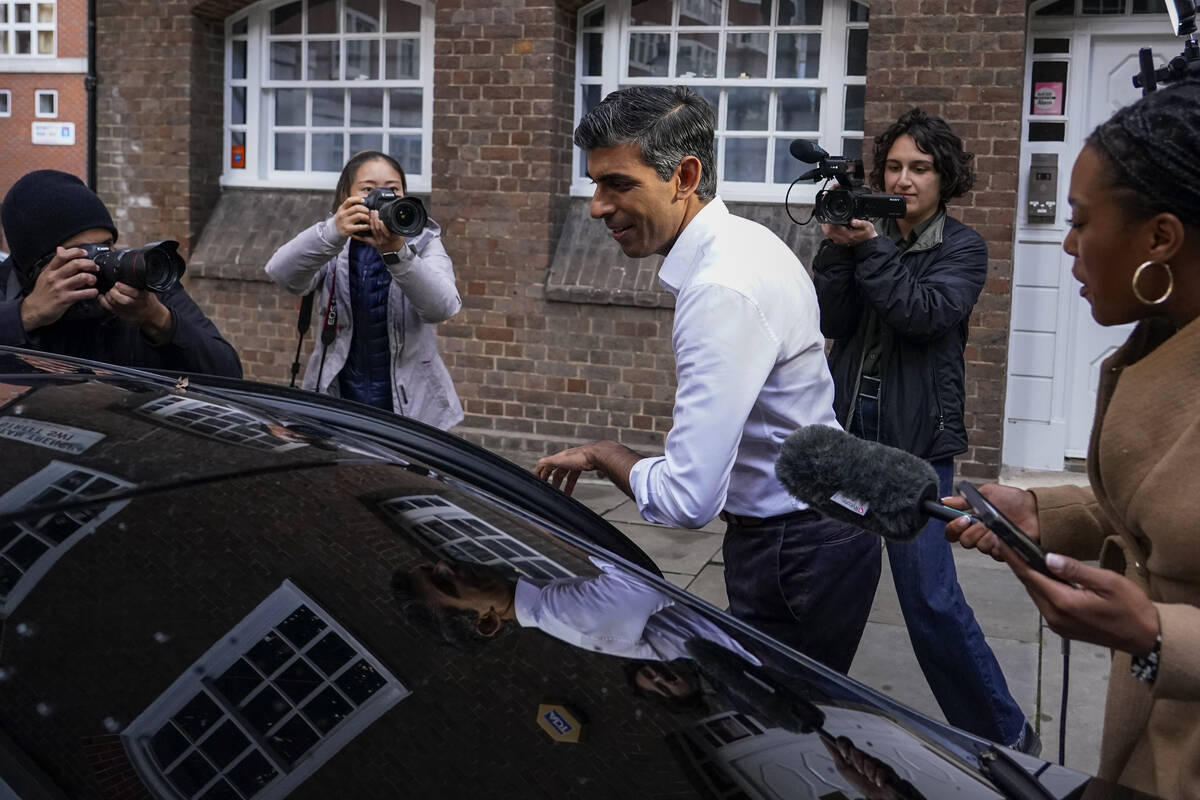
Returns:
(43, 64)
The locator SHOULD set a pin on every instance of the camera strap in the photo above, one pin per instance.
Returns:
(306, 304)
(329, 325)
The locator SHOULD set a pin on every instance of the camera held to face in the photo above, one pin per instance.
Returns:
(403, 216)
(850, 200)
(157, 266)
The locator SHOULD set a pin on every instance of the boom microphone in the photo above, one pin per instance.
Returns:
(879, 488)
(806, 151)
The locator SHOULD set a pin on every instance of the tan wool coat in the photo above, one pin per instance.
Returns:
(1141, 517)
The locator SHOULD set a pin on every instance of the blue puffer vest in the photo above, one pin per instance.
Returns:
(367, 375)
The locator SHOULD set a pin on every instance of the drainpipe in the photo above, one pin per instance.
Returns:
(89, 86)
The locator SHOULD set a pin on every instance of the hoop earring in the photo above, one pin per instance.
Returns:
(1137, 274)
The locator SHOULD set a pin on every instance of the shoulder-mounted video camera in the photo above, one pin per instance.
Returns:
(850, 200)
(1187, 63)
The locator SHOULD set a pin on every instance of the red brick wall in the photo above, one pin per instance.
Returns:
(18, 154)
(964, 60)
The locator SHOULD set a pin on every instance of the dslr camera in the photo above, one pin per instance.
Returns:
(403, 216)
(850, 200)
(157, 266)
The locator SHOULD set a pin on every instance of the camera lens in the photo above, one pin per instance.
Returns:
(404, 216)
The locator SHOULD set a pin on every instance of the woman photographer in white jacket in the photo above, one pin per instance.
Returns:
(380, 296)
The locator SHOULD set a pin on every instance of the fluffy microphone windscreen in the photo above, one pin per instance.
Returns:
(876, 487)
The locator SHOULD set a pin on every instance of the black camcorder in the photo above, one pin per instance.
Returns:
(403, 216)
(157, 266)
(850, 200)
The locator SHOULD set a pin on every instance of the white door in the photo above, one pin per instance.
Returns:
(1114, 61)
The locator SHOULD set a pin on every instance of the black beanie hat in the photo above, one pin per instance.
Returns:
(45, 208)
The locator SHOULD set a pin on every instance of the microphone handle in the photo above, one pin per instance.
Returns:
(945, 513)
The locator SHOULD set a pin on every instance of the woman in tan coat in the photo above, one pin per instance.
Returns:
(1135, 236)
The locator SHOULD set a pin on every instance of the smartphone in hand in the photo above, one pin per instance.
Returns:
(995, 521)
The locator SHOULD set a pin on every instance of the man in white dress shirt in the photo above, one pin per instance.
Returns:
(750, 369)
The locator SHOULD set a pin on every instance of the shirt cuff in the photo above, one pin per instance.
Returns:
(639, 484)
(525, 600)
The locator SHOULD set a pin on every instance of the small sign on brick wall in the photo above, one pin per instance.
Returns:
(53, 133)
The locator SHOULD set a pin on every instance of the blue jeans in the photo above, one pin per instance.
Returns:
(959, 665)
(806, 580)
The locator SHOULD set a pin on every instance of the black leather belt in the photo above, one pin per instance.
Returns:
(739, 521)
(868, 387)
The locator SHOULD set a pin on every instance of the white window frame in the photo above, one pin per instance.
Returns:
(259, 152)
(37, 103)
(224, 423)
(832, 81)
(10, 27)
(6, 101)
(224, 654)
(457, 534)
(88, 521)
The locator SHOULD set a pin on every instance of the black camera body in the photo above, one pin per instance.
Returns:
(850, 200)
(403, 216)
(156, 266)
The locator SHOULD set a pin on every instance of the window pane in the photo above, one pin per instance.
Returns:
(750, 12)
(748, 109)
(362, 16)
(294, 739)
(46, 43)
(859, 12)
(1149, 7)
(22, 42)
(46, 104)
(237, 105)
(329, 107)
(406, 108)
(1103, 7)
(322, 16)
(801, 12)
(289, 106)
(746, 55)
(649, 54)
(23, 12)
(798, 110)
(323, 61)
(407, 150)
(594, 18)
(403, 58)
(852, 148)
(285, 61)
(700, 12)
(650, 12)
(241, 26)
(45, 12)
(787, 168)
(289, 151)
(238, 57)
(711, 95)
(362, 60)
(856, 101)
(3, 42)
(286, 19)
(366, 108)
(856, 51)
(696, 55)
(797, 55)
(745, 160)
(365, 141)
(402, 16)
(252, 773)
(5, 97)
(593, 54)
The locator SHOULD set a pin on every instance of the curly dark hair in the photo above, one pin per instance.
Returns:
(1151, 149)
(933, 136)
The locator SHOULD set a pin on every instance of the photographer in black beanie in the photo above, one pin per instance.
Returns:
(48, 295)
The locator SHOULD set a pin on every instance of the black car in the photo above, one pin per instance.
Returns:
(218, 589)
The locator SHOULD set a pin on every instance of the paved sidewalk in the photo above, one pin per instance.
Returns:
(1029, 654)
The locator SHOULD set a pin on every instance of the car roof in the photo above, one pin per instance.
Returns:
(207, 591)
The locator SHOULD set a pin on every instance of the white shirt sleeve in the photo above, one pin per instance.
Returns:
(724, 353)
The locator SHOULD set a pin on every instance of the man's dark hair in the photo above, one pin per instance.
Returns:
(346, 180)
(452, 625)
(693, 701)
(667, 123)
(1152, 152)
(933, 137)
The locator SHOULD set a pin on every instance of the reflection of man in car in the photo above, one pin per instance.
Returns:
(612, 612)
(675, 685)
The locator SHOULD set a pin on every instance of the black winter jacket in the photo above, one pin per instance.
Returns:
(194, 345)
(923, 298)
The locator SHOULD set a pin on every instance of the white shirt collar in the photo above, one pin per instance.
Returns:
(681, 262)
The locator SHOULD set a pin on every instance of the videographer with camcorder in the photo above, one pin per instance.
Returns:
(385, 280)
(896, 295)
(67, 290)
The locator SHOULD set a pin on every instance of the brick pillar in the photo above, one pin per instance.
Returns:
(964, 61)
